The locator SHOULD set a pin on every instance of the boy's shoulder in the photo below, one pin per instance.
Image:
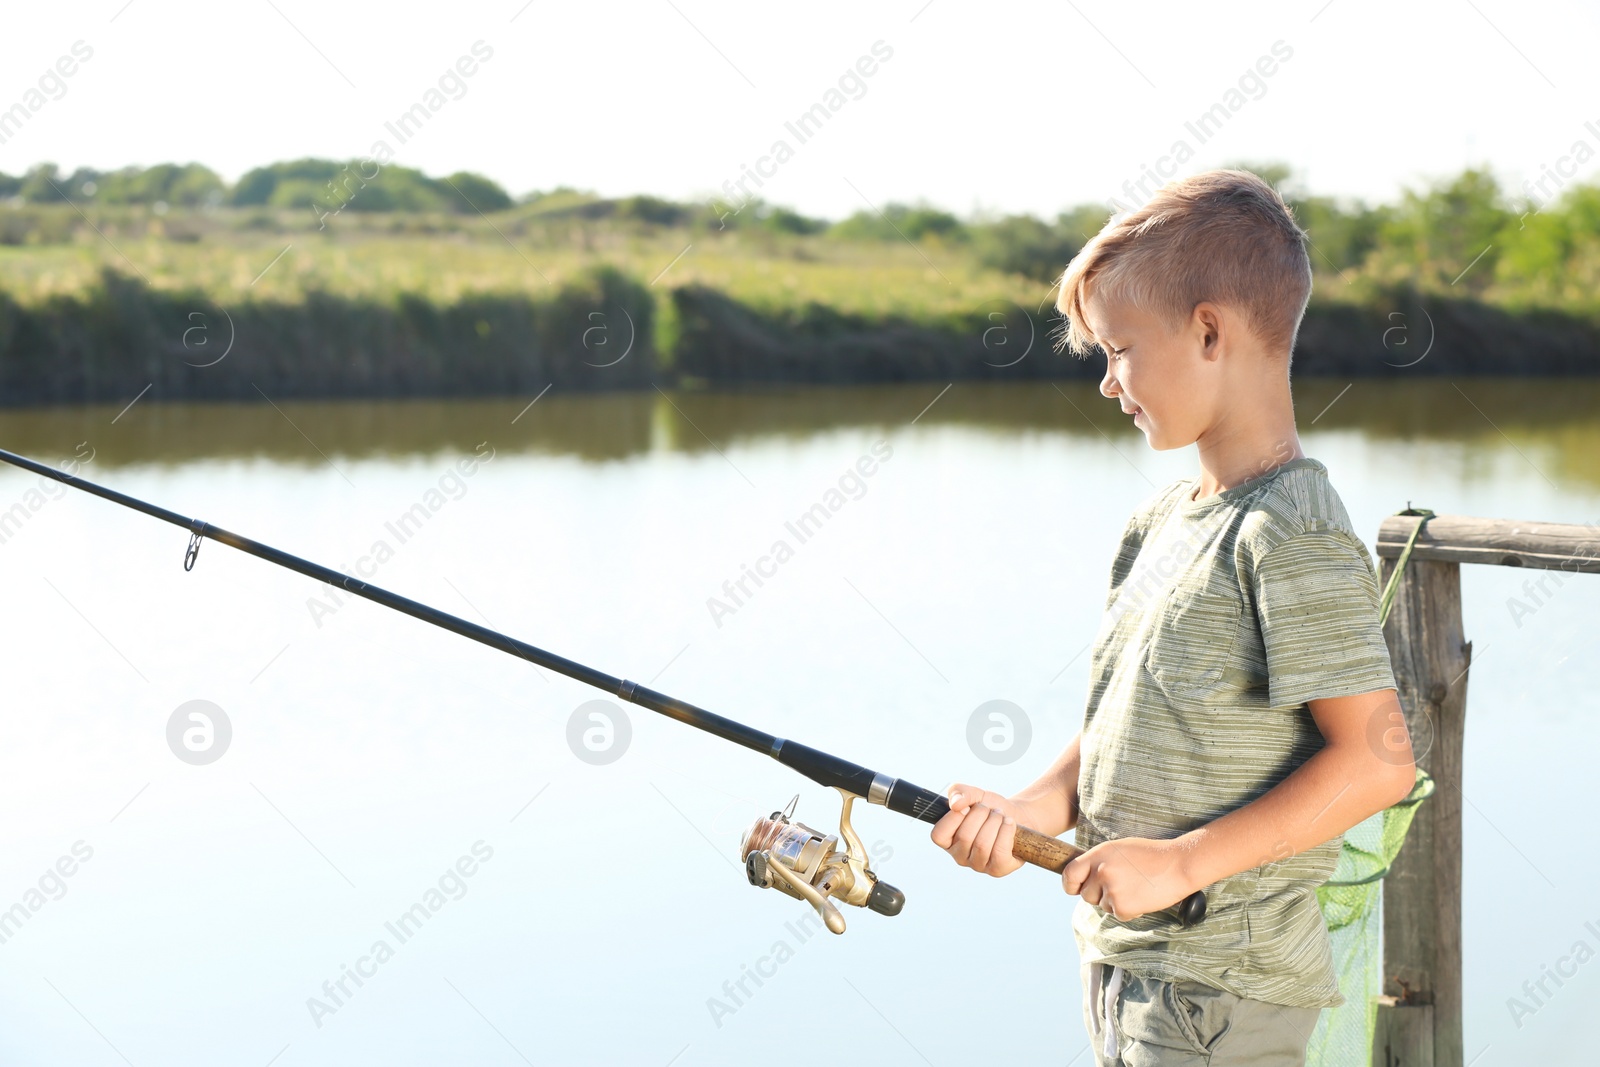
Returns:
(1295, 499)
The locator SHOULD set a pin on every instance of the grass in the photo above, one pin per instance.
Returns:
(520, 255)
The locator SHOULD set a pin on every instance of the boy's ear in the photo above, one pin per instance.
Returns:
(1209, 320)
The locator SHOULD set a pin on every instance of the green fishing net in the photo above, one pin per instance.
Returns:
(1352, 907)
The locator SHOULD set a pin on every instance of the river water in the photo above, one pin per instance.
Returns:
(580, 898)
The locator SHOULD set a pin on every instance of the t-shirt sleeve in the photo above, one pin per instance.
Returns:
(1317, 601)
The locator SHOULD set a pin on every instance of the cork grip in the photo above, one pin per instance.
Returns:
(1053, 854)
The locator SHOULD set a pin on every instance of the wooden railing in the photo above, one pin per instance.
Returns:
(1420, 1014)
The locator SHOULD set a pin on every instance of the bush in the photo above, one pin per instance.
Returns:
(1022, 244)
(651, 210)
(900, 222)
(362, 185)
(469, 194)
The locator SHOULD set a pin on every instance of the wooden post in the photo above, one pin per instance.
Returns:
(1419, 1016)
(1404, 1035)
(1419, 1020)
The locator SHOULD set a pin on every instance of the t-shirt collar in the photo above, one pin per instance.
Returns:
(1243, 488)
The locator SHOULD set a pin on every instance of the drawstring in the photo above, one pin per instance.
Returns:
(1109, 1003)
(1103, 993)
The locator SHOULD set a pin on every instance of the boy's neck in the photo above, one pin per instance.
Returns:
(1239, 449)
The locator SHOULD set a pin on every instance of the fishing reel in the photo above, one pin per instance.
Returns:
(780, 853)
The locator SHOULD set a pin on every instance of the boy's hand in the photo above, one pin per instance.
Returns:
(1130, 877)
(979, 830)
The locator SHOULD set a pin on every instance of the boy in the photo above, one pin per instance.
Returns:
(1242, 713)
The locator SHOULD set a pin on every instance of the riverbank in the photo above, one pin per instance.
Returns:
(240, 305)
(604, 330)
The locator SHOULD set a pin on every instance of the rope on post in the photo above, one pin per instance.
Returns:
(1400, 566)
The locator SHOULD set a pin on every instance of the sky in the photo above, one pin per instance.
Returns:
(999, 107)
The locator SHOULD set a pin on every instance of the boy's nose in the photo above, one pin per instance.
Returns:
(1108, 385)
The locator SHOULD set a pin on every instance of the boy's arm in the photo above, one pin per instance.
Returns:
(1364, 766)
(1051, 802)
(981, 826)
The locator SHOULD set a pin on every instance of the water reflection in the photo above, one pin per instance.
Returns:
(1554, 422)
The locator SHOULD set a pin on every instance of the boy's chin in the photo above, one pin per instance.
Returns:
(1161, 442)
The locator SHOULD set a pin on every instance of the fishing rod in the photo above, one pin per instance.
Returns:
(778, 852)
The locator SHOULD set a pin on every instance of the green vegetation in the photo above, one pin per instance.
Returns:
(1460, 236)
(326, 186)
(190, 185)
(756, 293)
(119, 334)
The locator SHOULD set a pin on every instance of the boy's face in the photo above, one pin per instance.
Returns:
(1161, 376)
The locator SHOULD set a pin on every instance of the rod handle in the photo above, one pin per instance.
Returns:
(1030, 846)
(1053, 854)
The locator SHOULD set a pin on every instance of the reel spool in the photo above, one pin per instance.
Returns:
(780, 853)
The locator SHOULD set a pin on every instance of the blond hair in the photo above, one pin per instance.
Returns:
(1224, 236)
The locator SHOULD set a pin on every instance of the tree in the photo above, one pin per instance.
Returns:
(1449, 232)
(44, 184)
(470, 193)
(189, 185)
(1025, 245)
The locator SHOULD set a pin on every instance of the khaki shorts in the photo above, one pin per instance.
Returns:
(1152, 1023)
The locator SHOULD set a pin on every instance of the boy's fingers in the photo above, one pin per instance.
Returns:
(1075, 874)
(984, 852)
(954, 831)
(944, 831)
(964, 796)
(1006, 840)
(998, 856)
(971, 829)
(967, 832)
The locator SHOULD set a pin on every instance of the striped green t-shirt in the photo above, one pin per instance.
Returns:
(1225, 616)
